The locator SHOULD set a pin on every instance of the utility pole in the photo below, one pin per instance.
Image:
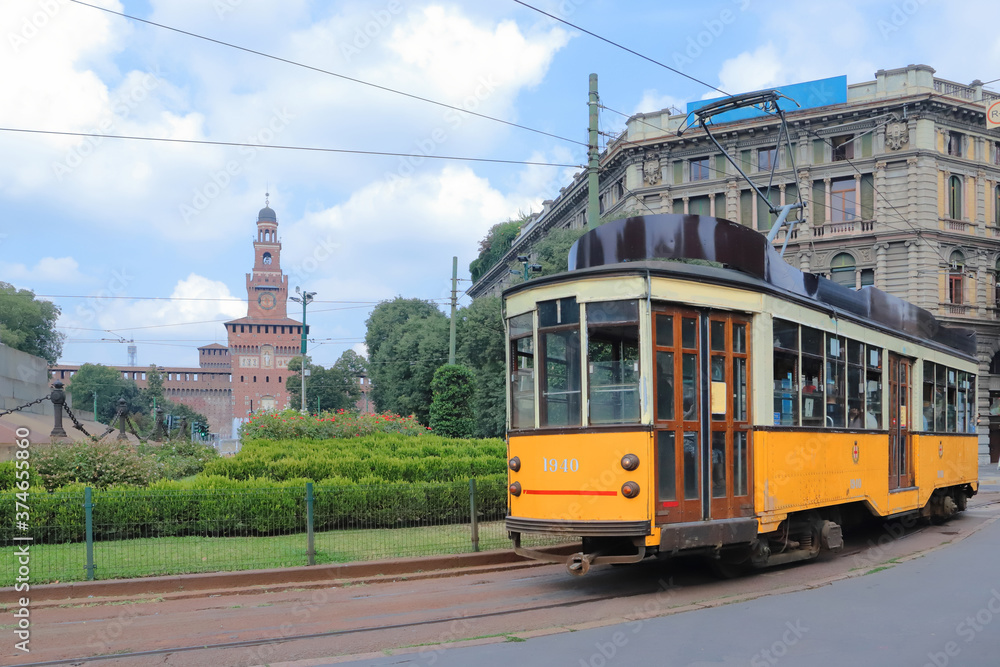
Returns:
(95, 406)
(304, 298)
(454, 303)
(593, 207)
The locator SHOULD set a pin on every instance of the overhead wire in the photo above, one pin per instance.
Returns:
(313, 149)
(324, 71)
(878, 193)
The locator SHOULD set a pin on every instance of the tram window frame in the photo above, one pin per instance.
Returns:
(813, 381)
(837, 372)
(873, 386)
(948, 399)
(614, 326)
(522, 376)
(559, 320)
(786, 372)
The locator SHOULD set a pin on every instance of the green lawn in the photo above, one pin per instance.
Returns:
(146, 557)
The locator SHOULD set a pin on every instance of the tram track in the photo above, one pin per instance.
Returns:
(250, 643)
(693, 590)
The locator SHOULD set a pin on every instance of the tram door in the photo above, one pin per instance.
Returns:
(701, 415)
(900, 451)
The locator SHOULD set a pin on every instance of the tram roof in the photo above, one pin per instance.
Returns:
(635, 244)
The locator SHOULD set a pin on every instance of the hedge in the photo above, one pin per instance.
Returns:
(378, 457)
(218, 506)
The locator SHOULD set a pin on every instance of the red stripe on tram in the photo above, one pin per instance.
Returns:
(553, 492)
(674, 503)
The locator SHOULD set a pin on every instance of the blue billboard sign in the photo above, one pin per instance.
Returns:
(809, 94)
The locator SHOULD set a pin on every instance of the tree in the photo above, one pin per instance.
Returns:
(154, 386)
(330, 389)
(28, 324)
(481, 348)
(496, 243)
(453, 388)
(407, 340)
(353, 364)
(388, 316)
(552, 252)
(109, 385)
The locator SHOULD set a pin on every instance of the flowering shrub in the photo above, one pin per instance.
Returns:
(111, 463)
(290, 424)
(97, 464)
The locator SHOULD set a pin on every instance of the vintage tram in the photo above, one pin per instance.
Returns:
(683, 389)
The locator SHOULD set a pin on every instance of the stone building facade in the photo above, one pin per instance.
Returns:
(901, 184)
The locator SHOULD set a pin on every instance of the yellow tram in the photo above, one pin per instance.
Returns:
(724, 402)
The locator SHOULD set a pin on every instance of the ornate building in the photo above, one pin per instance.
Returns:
(262, 343)
(900, 177)
(231, 382)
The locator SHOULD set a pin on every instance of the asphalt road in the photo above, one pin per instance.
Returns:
(939, 609)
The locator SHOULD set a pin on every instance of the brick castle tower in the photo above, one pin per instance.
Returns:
(262, 343)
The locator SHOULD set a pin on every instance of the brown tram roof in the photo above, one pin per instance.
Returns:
(673, 236)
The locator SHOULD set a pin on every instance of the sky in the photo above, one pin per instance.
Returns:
(151, 241)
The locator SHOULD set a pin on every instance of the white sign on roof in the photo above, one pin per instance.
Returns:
(993, 115)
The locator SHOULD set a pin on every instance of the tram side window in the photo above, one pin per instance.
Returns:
(836, 411)
(873, 387)
(559, 347)
(786, 373)
(948, 404)
(522, 372)
(813, 411)
(840, 378)
(613, 362)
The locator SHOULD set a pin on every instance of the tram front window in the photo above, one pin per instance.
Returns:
(613, 362)
(559, 347)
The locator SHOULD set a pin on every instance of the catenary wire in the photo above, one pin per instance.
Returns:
(313, 149)
(324, 71)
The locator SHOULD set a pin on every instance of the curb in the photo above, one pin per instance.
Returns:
(217, 582)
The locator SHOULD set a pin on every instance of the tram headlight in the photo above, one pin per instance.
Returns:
(515, 489)
(514, 464)
(630, 462)
(630, 489)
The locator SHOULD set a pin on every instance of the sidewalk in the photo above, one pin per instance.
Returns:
(989, 477)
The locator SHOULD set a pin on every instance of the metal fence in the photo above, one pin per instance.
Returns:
(105, 534)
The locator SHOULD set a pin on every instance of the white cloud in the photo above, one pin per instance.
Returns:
(47, 270)
(166, 332)
(752, 70)
(653, 101)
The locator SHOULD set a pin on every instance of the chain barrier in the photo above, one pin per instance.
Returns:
(26, 405)
(76, 422)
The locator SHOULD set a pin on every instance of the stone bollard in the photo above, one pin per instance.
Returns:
(58, 398)
(121, 420)
(158, 433)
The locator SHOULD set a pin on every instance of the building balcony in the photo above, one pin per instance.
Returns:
(953, 225)
(843, 228)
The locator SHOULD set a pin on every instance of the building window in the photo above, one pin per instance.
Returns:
(767, 159)
(279, 379)
(843, 147)
(867, 277)
(254, 378)
(996, 285)
(955, 144)
(267, 378)
(996, 153)
(843, 201)
(955, 198)
(842, 269)
(699, 169)
(996, 206)
(241, 378)
(956, 278)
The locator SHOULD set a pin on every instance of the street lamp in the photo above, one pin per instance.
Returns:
(304, 298)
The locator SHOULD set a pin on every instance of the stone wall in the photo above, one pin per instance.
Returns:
(23, 378)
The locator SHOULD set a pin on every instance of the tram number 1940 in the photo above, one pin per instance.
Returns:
(554, 465)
